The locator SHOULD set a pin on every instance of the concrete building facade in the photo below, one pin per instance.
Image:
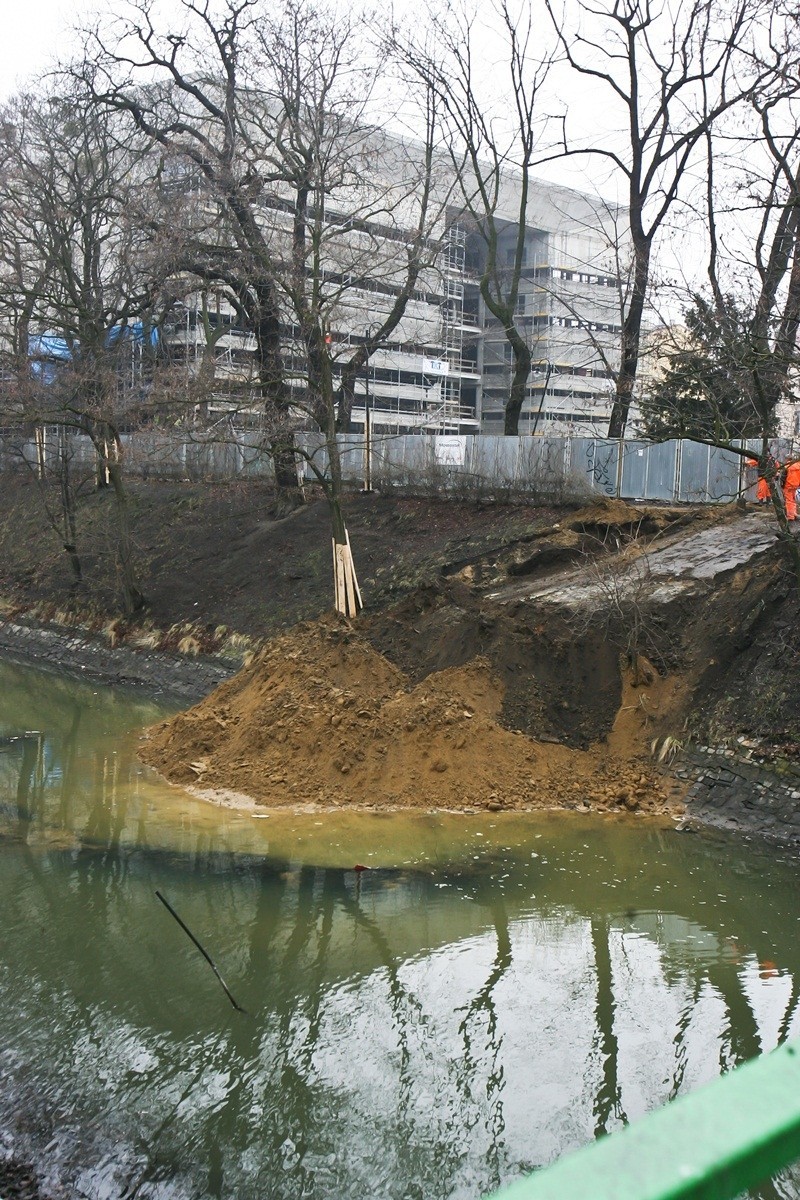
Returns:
(446, 368)
(568, 309)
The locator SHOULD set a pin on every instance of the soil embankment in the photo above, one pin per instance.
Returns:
(564, 689)
(214, 555)
(509, 656)
(321, 717)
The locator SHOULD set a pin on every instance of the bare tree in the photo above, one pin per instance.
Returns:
(724, 382)
(492, 149)
(298, 211)
(357, 235)
(669, 73)
(79, 265)
(191, 89)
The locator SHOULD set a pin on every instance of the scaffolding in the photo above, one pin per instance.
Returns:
(452, 313)
(406, 389)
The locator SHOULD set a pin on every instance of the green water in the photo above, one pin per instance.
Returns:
(493, 992)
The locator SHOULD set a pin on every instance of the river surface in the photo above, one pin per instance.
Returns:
(494, 991)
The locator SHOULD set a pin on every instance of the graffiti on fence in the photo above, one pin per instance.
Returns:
(602, 468)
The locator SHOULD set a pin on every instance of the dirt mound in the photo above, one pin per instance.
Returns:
(321, 717)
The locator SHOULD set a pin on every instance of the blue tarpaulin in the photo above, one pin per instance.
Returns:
(46, 350)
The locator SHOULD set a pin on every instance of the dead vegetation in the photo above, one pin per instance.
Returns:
(190, 638)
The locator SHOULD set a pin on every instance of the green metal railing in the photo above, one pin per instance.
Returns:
(710, 1145)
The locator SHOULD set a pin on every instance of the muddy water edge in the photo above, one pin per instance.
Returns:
(495, 990)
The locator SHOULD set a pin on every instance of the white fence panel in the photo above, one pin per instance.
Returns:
(545, 469)
(594, 463)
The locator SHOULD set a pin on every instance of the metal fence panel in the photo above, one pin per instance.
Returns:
(314, 452)
(256, 459)
(413, 454)
(724, 467)
(594, 461)
(508, 461)
(634, 470)
(648, 470)
(403, 460)
(546, 469)
(388, 461)
(495, 461)
(693, 478)
(152, 454)
(662, 470)
(352, 454)
(542, 470)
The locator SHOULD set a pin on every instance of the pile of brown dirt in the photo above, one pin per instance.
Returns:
(321, 717)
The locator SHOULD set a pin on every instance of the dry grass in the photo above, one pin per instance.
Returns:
(185, 637)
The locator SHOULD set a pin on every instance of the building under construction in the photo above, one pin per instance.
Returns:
(447, 366)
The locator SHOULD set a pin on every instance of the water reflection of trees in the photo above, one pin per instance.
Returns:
(679, 1041)
(481, 1058)
(29, 785)
(58, 788)
(608, 1098)
(286, 929)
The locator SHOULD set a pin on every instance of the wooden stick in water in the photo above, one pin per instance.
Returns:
(203, 951)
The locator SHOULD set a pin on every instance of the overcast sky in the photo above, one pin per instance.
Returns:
(35, 32)
(32, 33)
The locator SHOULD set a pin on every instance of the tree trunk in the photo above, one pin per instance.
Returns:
(68, 513)
(519, 384)
(288, 492)
(109, 450)
(631, 337)
(133, 599)
(267, 331)
(347, 395)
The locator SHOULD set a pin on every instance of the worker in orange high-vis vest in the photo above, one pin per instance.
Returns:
(762, 487)
(791, 482)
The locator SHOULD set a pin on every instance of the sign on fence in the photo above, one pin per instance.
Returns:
(450, 450)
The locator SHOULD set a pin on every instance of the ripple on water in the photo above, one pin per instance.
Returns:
(490, 994)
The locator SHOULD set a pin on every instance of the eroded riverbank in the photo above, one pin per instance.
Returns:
(321, 717)
(177, 678)
(576, 666)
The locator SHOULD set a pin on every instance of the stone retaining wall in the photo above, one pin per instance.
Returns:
(731, 793)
